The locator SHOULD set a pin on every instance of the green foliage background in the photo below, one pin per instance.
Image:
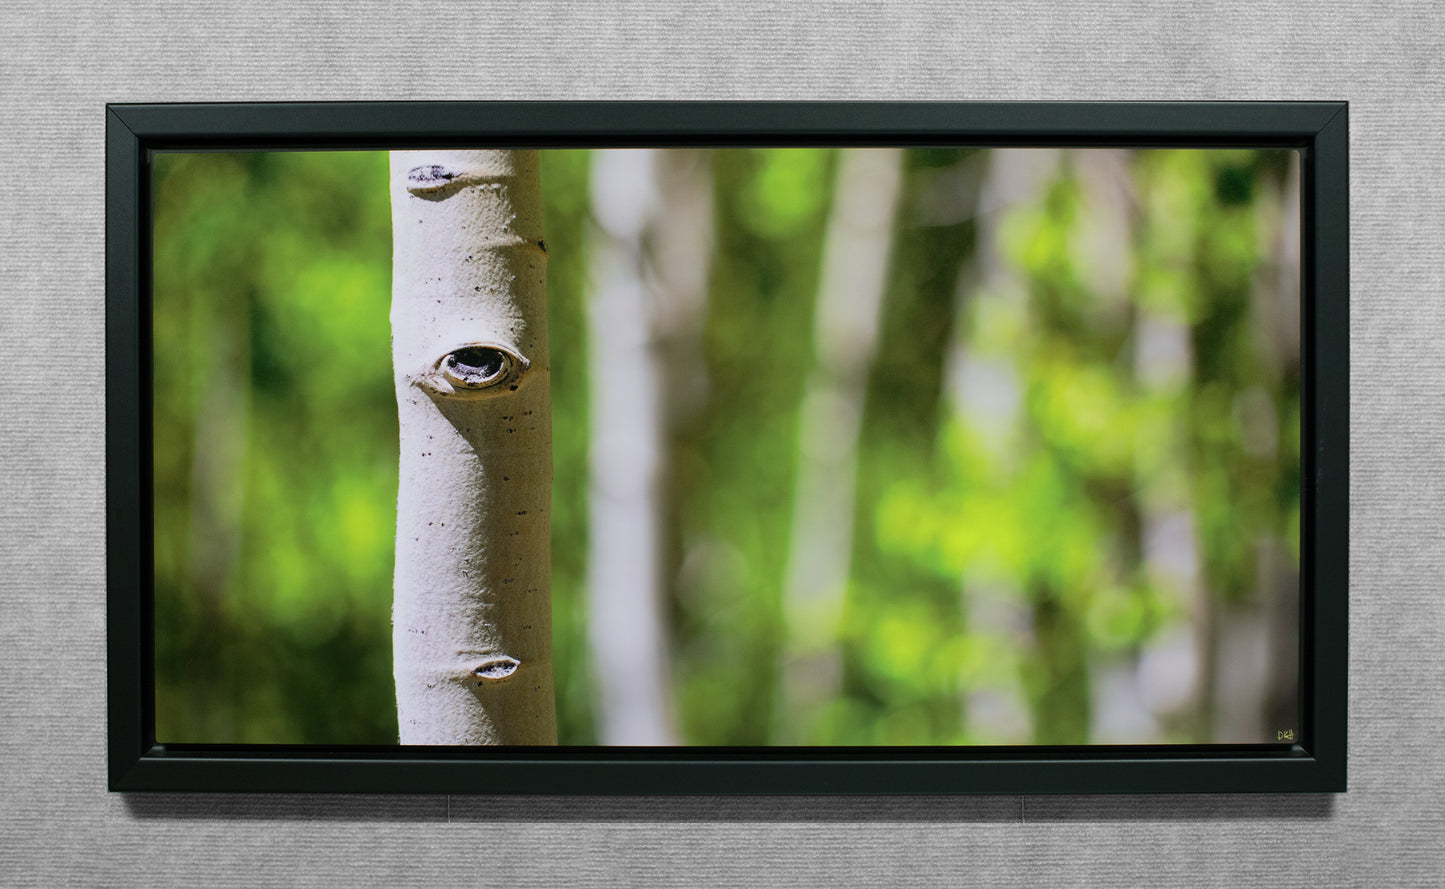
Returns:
(275, 448)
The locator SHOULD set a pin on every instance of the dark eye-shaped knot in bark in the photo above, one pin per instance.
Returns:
(497, 668)
(476, 369)
(435, 181)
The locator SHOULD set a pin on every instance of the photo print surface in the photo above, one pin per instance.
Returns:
(848, 446)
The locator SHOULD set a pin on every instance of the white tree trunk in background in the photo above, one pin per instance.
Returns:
(856, 249)
(1257, 664)
(649, 277)
(1169, 668)
(1282, 570)
(472, 614)
(984, 390)
(1109, 224)
(218, 480)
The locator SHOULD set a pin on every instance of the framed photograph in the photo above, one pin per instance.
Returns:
(678, 448)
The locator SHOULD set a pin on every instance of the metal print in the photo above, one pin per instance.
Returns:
(734, 451)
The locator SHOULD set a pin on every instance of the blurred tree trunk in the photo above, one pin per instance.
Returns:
(1258, 644)
(986, 391)
(1281, 579)
(856, 253)
(649, 276)
(732, 459)
(1107, 251)
(472, 613)
(218, 481)
(1246, 367)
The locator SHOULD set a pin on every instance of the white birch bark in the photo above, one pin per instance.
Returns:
(649, 277)
(1169, 672)
(985, 391)
(1258, 660)
(472, 631)
(1102, 248)
(1282, 574)
(624, 632)
(856, 250)
(217, 528)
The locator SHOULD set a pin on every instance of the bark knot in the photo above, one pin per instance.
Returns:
(497, 668)
(433, 182)
(472, 369)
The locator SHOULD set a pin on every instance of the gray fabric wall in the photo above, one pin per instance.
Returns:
(58, 66)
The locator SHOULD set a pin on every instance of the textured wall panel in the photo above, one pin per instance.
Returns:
(59, 827)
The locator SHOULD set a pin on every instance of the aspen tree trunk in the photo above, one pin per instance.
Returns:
(1104, 249)
(472, 633)
(653, 211)
(1258, 643)
(856, 251)
(218, 500)
(986, 391)
(1170, 668)
(623, 591)
(1281, 700)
